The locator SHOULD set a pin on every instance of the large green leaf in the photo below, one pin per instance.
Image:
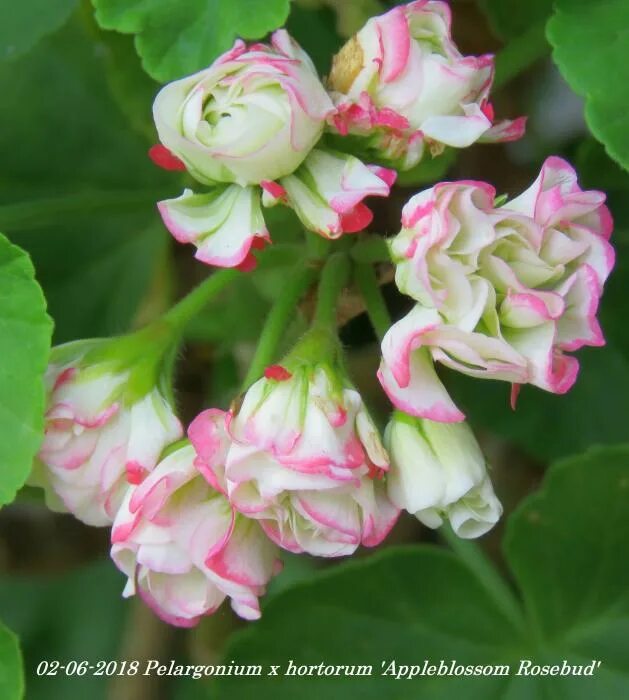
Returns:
(76, 615)
(23, 24)
(511, 19)
(11, 672)
(178, 38)
(25, 331)
(567, 548)
(79, 191)
(590, 48)
(314, 29)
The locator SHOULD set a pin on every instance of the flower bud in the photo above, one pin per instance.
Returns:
(402, 84)
(306, 460)
(185, 550)
(107, 422)
(438, 473)
(253, 115)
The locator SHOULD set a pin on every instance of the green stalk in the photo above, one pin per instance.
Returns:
(178, 317)
(279, 317)
(371, 249)
(367, 282)
(334, 277)
(318, 246)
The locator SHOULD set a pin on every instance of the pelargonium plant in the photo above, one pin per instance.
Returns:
(496, 288)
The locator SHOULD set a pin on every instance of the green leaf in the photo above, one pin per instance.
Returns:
(25, 331)
(511, 19)
(80, 191)
(567, 548)
(23, 24)
(402, 604)
(176, 39)
(76, 615)
(130, 86)
(590, 48)
(314, 30)
(94, 284)
(603, 381)
(11, 671)
(597, 170)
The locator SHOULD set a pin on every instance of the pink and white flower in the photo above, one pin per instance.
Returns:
(99, 436)
(327, 192)
(306, 462)
(502, 292)
(247, 125)
(438, 473)
(402, 83)
(183, 547)
(253, 115)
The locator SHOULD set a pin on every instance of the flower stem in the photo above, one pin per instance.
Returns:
(371, 249)
(279, 317)
(367, 283)
(333, 278)
(193, 303)
(318, 246)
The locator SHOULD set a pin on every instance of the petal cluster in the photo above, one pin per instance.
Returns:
(98, 438)
(253, 115)
(183, 547)
(305, 461)
(249, 126)
(502, 292)
(402, 84)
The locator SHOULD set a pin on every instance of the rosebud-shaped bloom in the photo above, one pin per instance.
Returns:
(306, 461)
(402, 83)
(253, 115)
(101, 433)
(438, 473)
(503, 292)
(183, 547)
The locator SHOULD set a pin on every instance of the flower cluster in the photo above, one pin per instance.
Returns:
(306, 460)
(501, 289)
(112, 455)
(247, 126)
(502, 292)
(253, 127)
(402, 86)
